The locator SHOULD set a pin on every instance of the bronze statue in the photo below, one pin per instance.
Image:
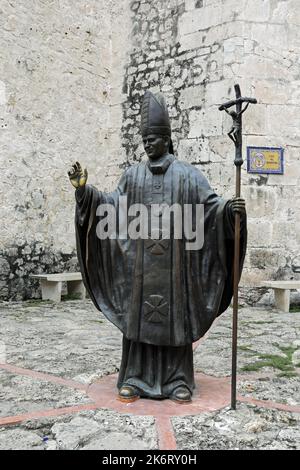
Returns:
(161, 295)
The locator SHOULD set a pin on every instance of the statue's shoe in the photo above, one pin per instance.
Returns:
(128, 392)
(181, 395)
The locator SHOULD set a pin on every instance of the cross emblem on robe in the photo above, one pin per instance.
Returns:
(156, 309)
(157, 247)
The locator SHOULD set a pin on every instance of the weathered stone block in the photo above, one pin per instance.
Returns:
(268, 34)
(200, 19)
(194, 151)
(261, 200)
(257, 11)
(255, 121)
(191, 96)
(218, 92)
(227, 174)
(4, 268)
(291, 176)
(190, 5)
(221, 149)
(263, 258)
(266, 92)
(212, 173)
(283, 233)
(293, 12)
(206, 122)
(282, 121)
(280, 12)
(2, 93)
(252, 277)
(260, 232)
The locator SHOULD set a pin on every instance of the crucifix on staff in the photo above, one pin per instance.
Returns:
(235, 134)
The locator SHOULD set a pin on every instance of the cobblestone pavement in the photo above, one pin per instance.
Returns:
(52, 355)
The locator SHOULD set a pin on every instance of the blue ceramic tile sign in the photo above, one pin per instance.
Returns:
(265, 160)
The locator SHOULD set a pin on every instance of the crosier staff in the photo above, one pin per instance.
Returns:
(235, 134)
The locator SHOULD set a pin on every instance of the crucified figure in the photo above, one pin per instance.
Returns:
(233, 134)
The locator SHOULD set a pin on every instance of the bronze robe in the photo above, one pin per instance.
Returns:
(160, 295)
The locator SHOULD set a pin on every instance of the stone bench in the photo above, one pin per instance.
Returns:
(282, 292)
(51, 285)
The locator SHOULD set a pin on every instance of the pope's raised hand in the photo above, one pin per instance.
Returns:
(78, 176)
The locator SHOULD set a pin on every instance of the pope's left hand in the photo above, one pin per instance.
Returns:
(238, 204)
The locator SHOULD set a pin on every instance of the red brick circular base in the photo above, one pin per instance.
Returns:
(210, 394)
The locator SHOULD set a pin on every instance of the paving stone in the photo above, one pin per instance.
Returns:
(115, 441)
(70, 435)
(75, 341)
(12, 439)
(261, 332)
(19, 394)
(103, 429)
(276, 389)
(249, 427)
(67, 339)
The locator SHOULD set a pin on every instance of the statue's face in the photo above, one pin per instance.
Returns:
(155, 146)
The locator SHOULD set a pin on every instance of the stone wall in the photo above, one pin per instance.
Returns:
(73, 75)
(60, 101)
(194, 51)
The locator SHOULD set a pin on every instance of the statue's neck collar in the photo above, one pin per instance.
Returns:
(160, 165)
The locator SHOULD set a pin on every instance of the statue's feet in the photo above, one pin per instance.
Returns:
(181, 395)
(128, 392)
